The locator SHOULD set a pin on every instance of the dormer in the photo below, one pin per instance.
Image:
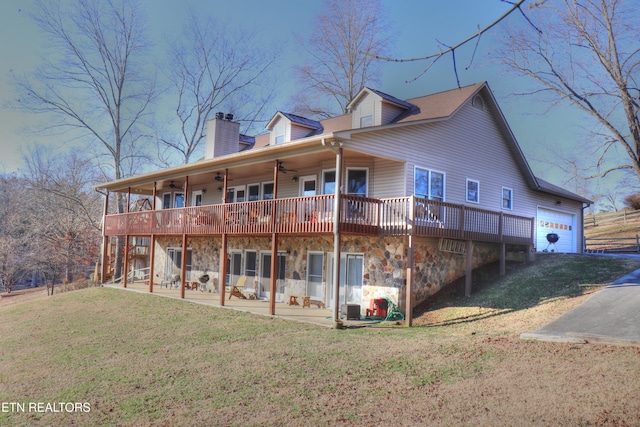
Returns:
(286, 127)
(374, 108)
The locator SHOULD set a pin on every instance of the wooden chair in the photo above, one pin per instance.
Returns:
(236, 290)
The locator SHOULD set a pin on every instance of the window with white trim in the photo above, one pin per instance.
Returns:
(315, 264)
(429, 184)
(329, 181)
(357, 181)
(254, 192)
(507, 198)
(473, 191)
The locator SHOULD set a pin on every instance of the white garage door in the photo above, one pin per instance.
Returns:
(561, 223)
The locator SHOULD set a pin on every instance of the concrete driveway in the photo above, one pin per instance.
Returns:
(611, 316)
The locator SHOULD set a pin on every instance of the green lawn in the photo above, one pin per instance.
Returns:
(135, 359)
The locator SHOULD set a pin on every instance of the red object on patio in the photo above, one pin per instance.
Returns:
(377, 307)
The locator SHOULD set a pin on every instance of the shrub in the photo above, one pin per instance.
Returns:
(633, 201)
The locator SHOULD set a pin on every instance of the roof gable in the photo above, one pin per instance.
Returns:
(294, 119)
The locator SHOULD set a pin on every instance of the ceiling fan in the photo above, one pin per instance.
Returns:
(172, 185)
(282, 169)
(220, 178)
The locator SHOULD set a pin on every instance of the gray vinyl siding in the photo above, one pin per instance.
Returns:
(388, 179)
(298, 132)
(468, 145)
(383, 113)
(389, 113)
(367, 106)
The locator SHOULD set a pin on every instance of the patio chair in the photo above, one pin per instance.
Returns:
(236, 290)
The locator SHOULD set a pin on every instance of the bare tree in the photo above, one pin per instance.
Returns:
(586, 54)
(214, 69)
(341, 56)
(92, 82)
(15, 232)
(65, 212)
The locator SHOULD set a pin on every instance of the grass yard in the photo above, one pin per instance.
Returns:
(134, 360)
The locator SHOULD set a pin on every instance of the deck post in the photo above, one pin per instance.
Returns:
(105, 241)
(222, 280)
(469, 269)
(408, 315)
(183, 267)
(503, 259)
(126, 261)
(274, 243)
(152, 244)
(336, 241)
(152, 255)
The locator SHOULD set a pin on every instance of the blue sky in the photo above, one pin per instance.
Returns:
(419, 24)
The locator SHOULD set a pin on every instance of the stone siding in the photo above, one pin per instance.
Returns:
(433, 269)
(384, 269)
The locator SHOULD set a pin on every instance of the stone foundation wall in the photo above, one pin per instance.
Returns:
(384, 269)
(433, 269)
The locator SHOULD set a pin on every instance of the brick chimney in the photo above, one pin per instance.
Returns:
(223, 136)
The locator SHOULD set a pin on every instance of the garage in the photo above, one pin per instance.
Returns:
(561, 223)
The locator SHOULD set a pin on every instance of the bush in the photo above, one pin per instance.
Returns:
(633, 201)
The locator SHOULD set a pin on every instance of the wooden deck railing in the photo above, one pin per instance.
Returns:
(314, 215)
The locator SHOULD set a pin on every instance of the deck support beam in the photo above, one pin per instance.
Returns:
(183, 267)
(222, 280)
(152, 256)
(468, 279)
(126, 261)
(408, 311)
(105, 241)
(152, 243)
(337, 323)
(274, 243)
(503, 259)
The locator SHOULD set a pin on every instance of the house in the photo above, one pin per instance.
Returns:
(395, 200)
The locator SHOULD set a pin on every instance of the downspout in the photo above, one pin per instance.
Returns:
(337, 323)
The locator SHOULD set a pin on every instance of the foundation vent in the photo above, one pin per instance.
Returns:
(453, 246)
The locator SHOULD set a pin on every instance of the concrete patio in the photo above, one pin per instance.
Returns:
(314, 315)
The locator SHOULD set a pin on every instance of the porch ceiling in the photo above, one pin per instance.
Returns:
(241, 168)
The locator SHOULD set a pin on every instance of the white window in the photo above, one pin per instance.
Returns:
(308, 185)
(178, 200)
(315, 268)
(196, 199)
(366, 121)
(267, 191)
(429, 184)
(166, 201)
(473, 191)
(328, 182)
(507, 198)
(250, 264)
(254, 192)
(236, 194)
(357, 180)
(234, 266)
(174, 263)
(279, 132)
